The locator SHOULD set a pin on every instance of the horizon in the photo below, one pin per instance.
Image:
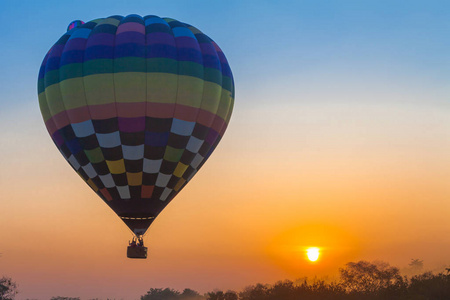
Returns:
(339, 139)
(414, 275)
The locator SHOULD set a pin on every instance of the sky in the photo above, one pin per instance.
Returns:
(339, 139)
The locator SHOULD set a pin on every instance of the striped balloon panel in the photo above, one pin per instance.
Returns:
(136, 105)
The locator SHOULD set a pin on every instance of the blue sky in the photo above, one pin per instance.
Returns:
(308, 42)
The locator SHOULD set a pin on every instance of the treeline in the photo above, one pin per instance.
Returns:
(357, 281)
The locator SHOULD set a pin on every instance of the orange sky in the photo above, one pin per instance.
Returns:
(361, 181)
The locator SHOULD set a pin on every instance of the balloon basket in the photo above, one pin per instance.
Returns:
(137, 252)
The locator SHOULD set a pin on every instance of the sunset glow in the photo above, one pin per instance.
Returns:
(313, 253)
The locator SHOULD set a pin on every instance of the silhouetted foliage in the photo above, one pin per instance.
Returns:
(171, 294)
(230, 295)
(189, 294)
(256, 292)
(8, 289)
(220, 295)
(430, 286)
(416, 263)
(366, 277)
(358, 281)
(288, 290)
(161, 294)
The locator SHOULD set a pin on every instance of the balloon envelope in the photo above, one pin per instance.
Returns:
(136, 105)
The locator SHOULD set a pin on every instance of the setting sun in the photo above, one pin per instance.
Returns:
(313, 253)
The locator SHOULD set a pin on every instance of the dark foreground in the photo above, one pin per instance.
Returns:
(358, 281)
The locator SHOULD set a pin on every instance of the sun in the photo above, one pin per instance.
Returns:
(313, 253)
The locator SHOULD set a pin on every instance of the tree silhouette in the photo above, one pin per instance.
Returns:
(215, 295)
(358, 281)
(230, 295)
(430, 286)
(171, 294)
(366, 277)
(161, 294)
(256, 292)
(416, 265)
(283, 290)
(220, 295)
(8, 289)
(188, 293)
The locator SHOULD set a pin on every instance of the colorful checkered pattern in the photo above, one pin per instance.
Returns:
(136, 105)
(74, 24)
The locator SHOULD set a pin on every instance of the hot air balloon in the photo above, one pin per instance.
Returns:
(136, 105)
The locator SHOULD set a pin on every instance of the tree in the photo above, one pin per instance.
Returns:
(366, 277)
(230, 295)
(8, 289)
(282, 290)
(257, 292)
(215, 295)
(220, 295)
(161, 294)
(430, 286)
(416, 265)
(189, 294)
